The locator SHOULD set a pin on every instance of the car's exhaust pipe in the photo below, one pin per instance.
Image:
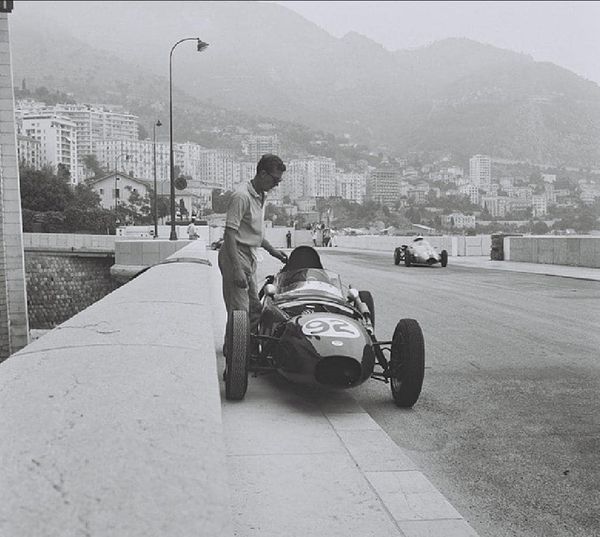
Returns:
(338, 372)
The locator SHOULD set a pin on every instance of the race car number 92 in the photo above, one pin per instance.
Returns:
(330, 327)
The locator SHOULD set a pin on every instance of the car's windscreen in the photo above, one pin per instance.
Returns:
(309, 281)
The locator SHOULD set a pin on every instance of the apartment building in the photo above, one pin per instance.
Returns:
(58, 140)
(480, 170)
(136, 157)
(29, 151)
(218, 167)
(539, 205)
(94, 124)
(255, 146)
(351, 186)
(383, 185)
(471, 191)
(497, 206)
(312, 177)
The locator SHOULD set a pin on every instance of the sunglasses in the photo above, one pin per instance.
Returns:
(274, 177)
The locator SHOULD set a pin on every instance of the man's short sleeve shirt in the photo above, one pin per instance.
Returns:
(245, 214)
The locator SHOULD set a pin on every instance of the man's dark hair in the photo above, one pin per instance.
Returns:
(270, 163)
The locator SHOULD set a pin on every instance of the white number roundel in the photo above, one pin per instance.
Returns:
(330, 327)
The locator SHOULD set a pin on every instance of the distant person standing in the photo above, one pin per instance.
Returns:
(192, 230)
(244, 235)
(314, 236)
(326, 236)
(332, 240)
(288, 239)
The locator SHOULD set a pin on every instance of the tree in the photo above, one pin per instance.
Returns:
(42, 190)
(85, 197)
(539, 228)
(137, 210)
(91, 163)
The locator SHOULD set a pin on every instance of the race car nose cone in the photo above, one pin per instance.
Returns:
(338, 372)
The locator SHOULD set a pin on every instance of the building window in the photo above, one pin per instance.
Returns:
(101, 191)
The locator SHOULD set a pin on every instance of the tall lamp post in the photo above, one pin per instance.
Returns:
(200, 46)
(157, 124)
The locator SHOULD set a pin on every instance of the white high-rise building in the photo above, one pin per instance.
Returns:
(58, 138)
(480, 171)
(218, 167)
(94, 124)
(29, 151)
(351, 186)
(309, 177)
(539, 204)
(255, 146)
(136, 158)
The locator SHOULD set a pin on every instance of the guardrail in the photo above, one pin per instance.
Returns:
(112, 423)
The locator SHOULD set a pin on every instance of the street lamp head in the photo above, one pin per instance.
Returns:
(201, 45)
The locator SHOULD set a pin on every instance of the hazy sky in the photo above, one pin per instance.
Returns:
(565, 33)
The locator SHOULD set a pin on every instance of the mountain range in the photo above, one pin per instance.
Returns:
(266, 61)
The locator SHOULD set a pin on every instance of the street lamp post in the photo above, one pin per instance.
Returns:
(200, 46)
(157, 124)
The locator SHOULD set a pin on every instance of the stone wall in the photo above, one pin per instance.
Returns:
(577, 251)
(60, 286)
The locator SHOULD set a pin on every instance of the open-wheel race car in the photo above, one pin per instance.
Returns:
(314, 331)
(420, 252)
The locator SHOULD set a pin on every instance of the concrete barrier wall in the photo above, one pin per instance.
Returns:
(111, 423)
(580, 251)
(66, 241)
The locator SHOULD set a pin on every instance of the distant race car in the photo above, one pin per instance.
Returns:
(314, 331)
(420, 252)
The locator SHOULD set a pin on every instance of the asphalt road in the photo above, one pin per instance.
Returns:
(508, 423)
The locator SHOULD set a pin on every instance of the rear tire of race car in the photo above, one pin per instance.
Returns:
(367, 298)
(407, 258)
(396, 257)
(444, 258)
(238, 343)
(407, 363)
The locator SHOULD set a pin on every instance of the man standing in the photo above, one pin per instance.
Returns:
(243, 235)
(288, 239)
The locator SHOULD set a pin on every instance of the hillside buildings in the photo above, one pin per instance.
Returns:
(383, 185)
(480, 171)
(255, 146)
(93, 124)
(67, 134)
(57, 137)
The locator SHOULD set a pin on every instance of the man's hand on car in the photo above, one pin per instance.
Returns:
(282, 256)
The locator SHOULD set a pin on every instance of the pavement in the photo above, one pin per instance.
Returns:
(307, 462)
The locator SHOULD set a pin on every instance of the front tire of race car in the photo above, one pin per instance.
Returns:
(238, 343)
(444, 258)
(407, 258)
(367, 298)
(396, 257)
(407, 363)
